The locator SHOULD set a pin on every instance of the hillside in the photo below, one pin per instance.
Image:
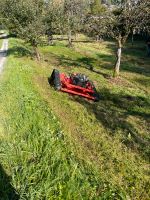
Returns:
(58, 146)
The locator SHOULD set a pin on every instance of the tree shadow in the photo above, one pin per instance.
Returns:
(106, 61)
(136, 50)
(19, 51)
(134, 67)
(73, 40)
(85, 62)
(5, 36)
(89, 63)
(114, 111)
(134, 59)
(143, 81)
(7, 192)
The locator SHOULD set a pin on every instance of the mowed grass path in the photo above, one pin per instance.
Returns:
(56, 146)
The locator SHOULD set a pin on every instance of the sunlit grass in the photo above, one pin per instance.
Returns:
(56, 146)
(34, 151)
(120, 120)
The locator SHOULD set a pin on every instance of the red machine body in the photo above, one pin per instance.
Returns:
(67, 84)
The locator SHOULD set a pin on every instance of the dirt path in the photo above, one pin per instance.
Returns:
(3, 52)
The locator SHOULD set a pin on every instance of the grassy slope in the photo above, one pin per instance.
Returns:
(33, 150)
(114, 133)
(102, 149)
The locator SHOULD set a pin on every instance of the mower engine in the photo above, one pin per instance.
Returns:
(79, 79)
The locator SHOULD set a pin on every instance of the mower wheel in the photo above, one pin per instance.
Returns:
(96, 94)
(97, 97)
(55, 79)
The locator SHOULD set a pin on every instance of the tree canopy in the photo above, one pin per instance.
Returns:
(31, 20)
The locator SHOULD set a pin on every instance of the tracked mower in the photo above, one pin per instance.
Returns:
(75, 84)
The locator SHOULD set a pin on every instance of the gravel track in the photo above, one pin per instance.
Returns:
(3, 51)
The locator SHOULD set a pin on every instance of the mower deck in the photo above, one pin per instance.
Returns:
(74, 84)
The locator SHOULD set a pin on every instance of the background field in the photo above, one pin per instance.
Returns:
(58, 146)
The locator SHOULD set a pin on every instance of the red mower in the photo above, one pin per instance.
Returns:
(76, 84)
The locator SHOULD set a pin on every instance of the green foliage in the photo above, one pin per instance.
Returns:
(118, 23)
(54, 18)
(95, 23)
(97, 8)
(74, 13)
(26, 19)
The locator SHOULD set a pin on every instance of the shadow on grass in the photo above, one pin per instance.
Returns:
(85, 62)
(134, 67)
(114, 110)
(143, 81)
(19, 51)
(5, 36)
(7, 192)
(74, 41)
(134, 61)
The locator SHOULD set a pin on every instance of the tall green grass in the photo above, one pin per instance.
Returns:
(113, 134)
(34, 151)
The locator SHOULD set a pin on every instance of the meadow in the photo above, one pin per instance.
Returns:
(58, 146)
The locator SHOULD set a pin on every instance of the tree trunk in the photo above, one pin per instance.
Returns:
(117, 64)
(97, 38)
(50, 39)
(69, 39)
(37, 54)
(75, 36)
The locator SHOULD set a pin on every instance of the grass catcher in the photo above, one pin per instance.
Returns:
(76, 84)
